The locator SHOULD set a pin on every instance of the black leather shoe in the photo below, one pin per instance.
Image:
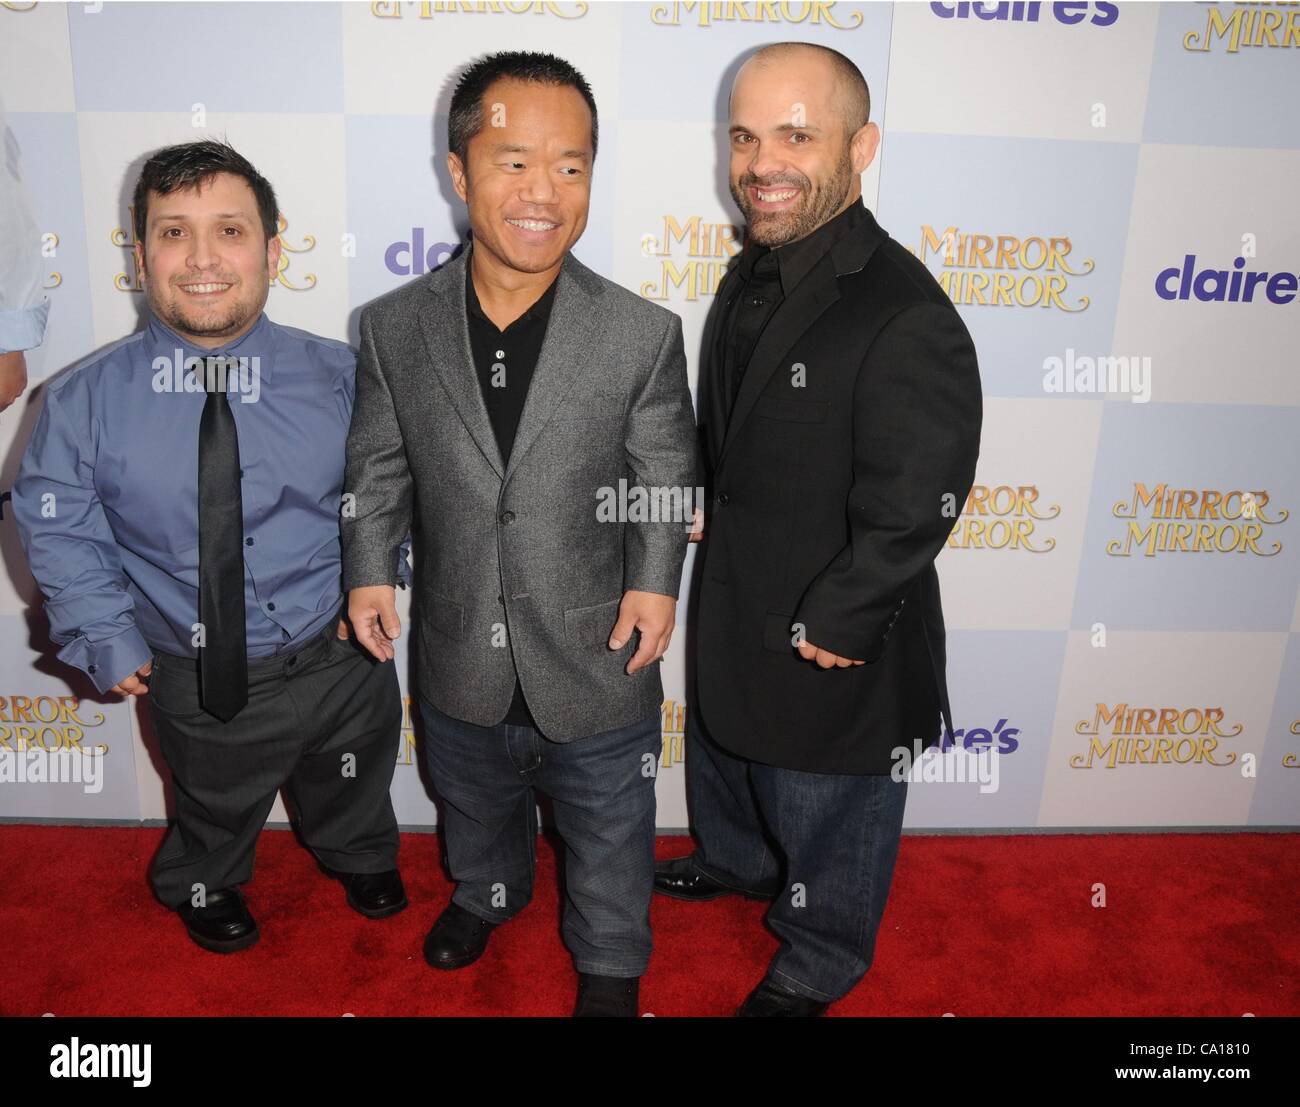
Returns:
(680, 879)
(769, 1000)
(457, 939)
(607, 996)
(223, 924)
(375, 895)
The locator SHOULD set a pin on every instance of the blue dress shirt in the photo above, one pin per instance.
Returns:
(106, 499)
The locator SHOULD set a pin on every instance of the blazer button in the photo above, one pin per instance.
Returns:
(501, 599)
(723, 499)
(507, 516)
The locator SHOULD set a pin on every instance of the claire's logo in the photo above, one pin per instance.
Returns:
(1000, 739)
(1237, 285)
(408, 259)
(1070, 13)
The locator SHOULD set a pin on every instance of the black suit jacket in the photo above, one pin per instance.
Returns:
(829, 503)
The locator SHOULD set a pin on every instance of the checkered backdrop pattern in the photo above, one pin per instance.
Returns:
(1097, 185)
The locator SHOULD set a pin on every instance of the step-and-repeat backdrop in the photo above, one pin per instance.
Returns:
(1106, 191)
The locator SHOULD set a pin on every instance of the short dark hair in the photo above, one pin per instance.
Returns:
(188, 165)
(465, 117)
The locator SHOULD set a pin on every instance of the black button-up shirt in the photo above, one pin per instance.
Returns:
(768, 276)
(504, 361)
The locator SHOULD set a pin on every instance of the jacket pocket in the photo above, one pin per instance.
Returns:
(777, 633)
(443, 614)
(591, 625)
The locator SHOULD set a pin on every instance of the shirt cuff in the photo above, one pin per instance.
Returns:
(109, 661)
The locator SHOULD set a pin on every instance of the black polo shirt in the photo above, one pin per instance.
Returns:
(504, 361)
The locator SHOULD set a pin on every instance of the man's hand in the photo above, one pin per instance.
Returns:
(133, 685)
(13, 379)
(653, 615)
(697, 528)
(372, 612)
(343, 630)
(824, 658)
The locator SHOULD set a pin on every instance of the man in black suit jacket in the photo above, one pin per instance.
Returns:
(840, 399)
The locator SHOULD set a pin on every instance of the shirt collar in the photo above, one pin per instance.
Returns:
(540, 307)
(258, 342)
(796, 259)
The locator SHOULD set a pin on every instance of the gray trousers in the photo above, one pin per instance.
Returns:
(323, 722)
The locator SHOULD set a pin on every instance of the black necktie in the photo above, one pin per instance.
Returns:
(223, 658)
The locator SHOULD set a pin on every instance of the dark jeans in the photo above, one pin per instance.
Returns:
(825, 843)
(602, 790)
(324, 722)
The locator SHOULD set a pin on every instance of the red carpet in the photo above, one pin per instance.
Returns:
(1196, 924)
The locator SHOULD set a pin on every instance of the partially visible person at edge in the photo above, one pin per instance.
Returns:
(24, 307)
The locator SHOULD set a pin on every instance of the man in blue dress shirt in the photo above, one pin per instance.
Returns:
(179, 503)
(23, 303)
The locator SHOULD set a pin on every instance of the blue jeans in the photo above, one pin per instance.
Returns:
(825, 843)
(602, 790)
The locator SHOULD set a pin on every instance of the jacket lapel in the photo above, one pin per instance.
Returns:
(713, 369)
(797, 313)
(565, 355)
(446, 334)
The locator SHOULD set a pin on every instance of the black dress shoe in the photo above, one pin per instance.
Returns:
(607, 996)
(375, 895)
(223, 924)
(680, 879)
(457, 939)
(769, 1000)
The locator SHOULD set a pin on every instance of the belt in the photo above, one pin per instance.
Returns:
(281, 664)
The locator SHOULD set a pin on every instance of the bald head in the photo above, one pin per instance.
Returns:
(848, 91)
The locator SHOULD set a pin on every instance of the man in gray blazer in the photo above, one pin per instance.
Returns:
(503, 404)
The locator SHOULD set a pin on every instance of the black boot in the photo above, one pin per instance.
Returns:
(457, 939)
(770, 1000)
(608, 996)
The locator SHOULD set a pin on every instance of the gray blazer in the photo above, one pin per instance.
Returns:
(520, 545)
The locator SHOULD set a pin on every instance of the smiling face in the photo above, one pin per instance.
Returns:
(528, 179)
(794, 163)
(205, 261)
